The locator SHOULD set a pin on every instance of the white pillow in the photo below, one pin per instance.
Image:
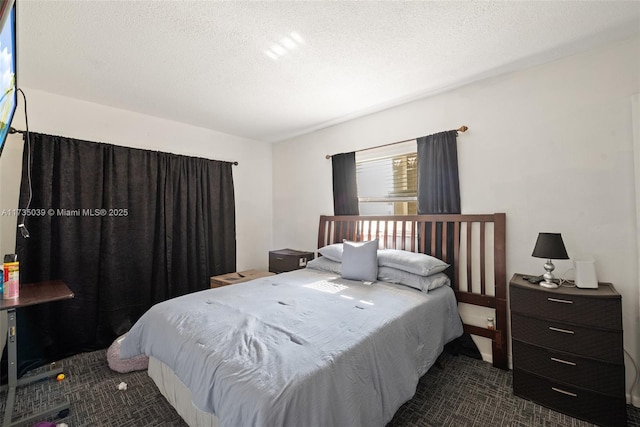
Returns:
(421, 283)
(416, 263)
(360, 260)
(333, 252)
(323, 263)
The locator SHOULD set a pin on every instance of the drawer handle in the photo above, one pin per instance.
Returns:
(563, 301)
(568, 393)
(564, 331)
(566, 362)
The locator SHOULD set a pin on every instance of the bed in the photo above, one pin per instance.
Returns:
(312, 348)
(474, 244)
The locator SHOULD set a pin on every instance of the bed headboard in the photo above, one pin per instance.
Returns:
(473, 244)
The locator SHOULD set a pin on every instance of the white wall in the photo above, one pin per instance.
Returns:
(57, 115)
(635, 111)
(550, 146)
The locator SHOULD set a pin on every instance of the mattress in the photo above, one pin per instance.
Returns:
(300, 348)
(179, 395)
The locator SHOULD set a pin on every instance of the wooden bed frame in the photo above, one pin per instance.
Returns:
(473, 244)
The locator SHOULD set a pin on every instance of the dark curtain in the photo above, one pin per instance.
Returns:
(345, 185)
(124, 228)
(438, 182)
(439, 193)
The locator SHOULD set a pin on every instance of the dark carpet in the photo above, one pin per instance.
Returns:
(465, 392)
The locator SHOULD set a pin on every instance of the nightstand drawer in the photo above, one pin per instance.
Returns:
(568, 368)
(284, 260)
(574, 401)
(598, 312)
(600, 344)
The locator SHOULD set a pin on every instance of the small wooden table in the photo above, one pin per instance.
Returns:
(30, 294)
(239, 277)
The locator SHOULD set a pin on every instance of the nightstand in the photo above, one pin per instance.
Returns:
(284, 260)
(567, 350)
(239, 277)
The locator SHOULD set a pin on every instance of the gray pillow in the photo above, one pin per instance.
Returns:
(421, 283)
(333, 252)
(416, 263)
(360, 261)
(323, 263)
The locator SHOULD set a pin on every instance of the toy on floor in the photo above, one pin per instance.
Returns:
(137, 363)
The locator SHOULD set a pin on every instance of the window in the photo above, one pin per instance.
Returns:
(388, 180)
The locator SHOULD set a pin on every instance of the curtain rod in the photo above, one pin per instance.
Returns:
(462, 128)
(14, 130)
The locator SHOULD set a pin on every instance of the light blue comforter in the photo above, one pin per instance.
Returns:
(304, 348)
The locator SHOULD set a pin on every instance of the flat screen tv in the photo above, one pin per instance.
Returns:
(9, 98)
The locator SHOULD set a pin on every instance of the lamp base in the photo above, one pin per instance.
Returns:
(549, 280)
(549, 285)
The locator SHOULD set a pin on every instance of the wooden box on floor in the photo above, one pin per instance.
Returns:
(238, 277)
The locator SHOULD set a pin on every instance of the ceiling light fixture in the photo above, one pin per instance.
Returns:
(287, 44)
(271, 55)
(278, 50)
(297, 37)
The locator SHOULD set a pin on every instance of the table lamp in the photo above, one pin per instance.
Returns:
(549, 246)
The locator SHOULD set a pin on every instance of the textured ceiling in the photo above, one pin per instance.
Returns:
(204, 63)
